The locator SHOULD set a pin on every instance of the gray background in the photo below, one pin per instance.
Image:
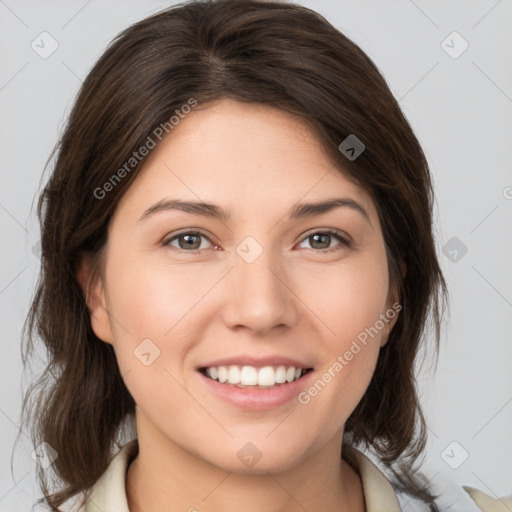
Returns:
(460, 109)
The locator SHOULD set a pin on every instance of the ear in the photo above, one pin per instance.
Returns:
(93, 290)
(391, 313)
(393, 307)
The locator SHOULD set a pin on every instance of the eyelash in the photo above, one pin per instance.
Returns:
(328, 231)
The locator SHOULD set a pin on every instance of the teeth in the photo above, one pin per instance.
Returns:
(281, 375)
(267, 376)
(249, 376)
(234, 375)
(223, 374)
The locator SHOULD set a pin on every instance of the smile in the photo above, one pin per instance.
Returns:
(280, 385)
(246, 376)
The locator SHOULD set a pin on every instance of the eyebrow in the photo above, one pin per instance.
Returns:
(299, 211)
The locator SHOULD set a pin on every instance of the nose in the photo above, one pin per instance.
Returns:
(257, 295)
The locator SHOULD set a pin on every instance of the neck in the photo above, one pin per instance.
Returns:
(164, 477)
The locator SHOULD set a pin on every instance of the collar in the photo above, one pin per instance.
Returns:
(109, 492)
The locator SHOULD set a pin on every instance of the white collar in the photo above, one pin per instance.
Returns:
(109, 492)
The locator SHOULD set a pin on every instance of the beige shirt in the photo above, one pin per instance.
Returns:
(109, 492)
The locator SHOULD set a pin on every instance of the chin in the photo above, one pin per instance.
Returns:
(258, 457)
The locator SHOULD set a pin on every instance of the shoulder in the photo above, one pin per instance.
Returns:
(382, 493)
(487, 503)
(108, 494)
(73, 504)
(456, 499)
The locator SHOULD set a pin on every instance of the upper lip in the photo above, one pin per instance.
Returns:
(258, 362)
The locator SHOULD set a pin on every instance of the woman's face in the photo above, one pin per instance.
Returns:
(263, 285)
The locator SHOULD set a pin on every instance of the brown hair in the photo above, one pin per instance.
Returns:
(274, 53)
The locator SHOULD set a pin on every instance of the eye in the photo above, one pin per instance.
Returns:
(321, 240)
(190, 241)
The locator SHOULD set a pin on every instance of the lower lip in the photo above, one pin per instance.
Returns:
(257, 399)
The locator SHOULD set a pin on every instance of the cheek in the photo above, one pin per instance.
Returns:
(151, 300)
(348, 297)
(155, 321)
(350, 304)
(149, 320)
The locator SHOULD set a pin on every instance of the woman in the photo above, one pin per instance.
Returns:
(237, 256)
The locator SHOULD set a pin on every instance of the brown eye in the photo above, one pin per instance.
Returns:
(321, 240)
(188, 241)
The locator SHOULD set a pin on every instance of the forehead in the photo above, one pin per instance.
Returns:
(228, 152)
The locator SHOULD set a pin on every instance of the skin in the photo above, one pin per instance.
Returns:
(256, 162)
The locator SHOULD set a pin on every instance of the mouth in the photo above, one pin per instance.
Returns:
(252, 377)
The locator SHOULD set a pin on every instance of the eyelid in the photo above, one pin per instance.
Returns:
(343, 237)
(167, 239)
(331, 231)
